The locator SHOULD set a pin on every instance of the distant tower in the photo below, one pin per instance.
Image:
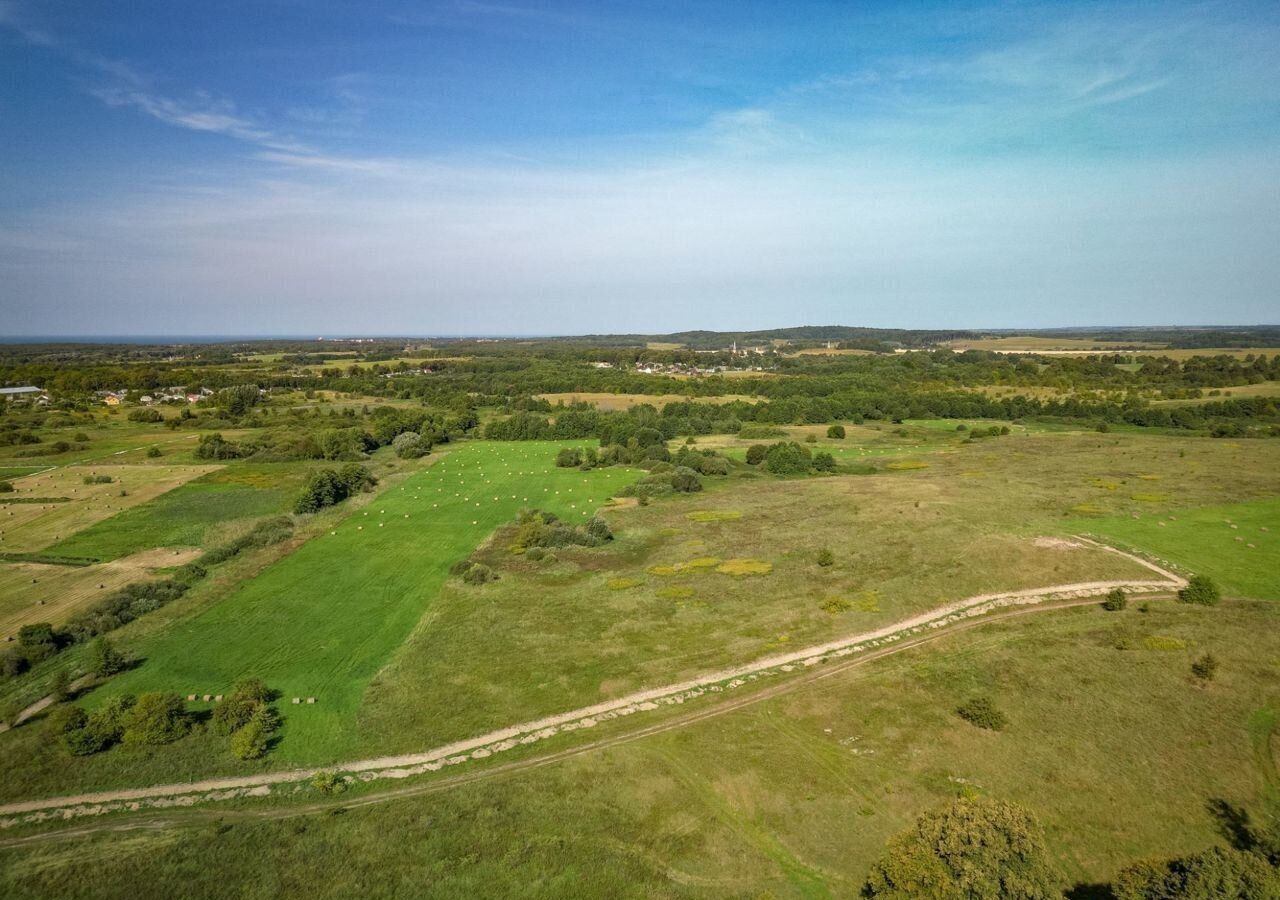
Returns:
(735, 348)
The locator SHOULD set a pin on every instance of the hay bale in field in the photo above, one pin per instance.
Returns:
(191, 698)
(297, 700)
(207, 697)
(217, 698)
(311, 700)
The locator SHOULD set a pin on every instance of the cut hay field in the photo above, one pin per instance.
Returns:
(1237, 544)
(195, 514)
(35, 592)
(325, 619)
(626, 401)
(26, 527)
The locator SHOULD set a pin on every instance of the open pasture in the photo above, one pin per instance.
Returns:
(36, 592)
(323, 621)
(74, 505)
(656, 605)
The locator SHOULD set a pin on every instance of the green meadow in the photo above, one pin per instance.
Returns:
(1238, 544)
(324, 620)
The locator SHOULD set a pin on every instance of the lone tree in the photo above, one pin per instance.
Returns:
(973, 849)
(1202, 590)
(836, 432)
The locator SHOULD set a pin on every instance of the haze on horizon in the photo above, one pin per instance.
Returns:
(471, 167)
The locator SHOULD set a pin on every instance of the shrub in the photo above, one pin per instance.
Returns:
(811, 439)
(154, 452)
(104, 660)
(1200, 589)
(98, 479)
(328, 782)
(826, 557)
(328, 487)
(835, 605)
(569, 457)
(1218, 873)
(1205, 667)
(982, 712)
(824, 462)
(836, 432)
(973, 848)
(6, 487)
(145, 414)
(157, 718)
(460, 568)
(410, 445)
(252, 739)
(756, 454)
(1115, 600)
(787, 458)
(685, 480)
(479, 573)
(535, 553)
(240, 706)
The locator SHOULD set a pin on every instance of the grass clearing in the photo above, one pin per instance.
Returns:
(607, 401)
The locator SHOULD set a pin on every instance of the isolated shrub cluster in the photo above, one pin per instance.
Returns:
(327, 487)
(538, 530)
(982, 712)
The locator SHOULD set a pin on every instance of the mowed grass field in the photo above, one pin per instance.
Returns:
(793, 797)
(185, 516)
(324, 620)
(26, 527)
(1236, 544)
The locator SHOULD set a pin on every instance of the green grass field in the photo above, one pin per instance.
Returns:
(183, 516)
(323, 621)
(1237, 544)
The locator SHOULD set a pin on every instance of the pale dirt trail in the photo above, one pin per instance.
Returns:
(394, 767)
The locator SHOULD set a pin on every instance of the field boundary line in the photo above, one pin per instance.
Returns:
(486, 745)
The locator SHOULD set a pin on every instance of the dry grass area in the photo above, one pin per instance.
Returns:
(36, 592)
(25, 527)
(626, 401)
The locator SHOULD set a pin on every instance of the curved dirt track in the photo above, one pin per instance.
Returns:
(868, 646)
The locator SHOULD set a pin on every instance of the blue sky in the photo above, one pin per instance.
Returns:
(515, 167)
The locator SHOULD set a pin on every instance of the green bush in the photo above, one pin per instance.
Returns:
(756, 454)
(252, 740)
(980, 711)
(836, 432)
(1200, 589)
(826, 557)
(569, 457)
(1116, 600)
(973, 849)
(1215, 874)
(159, 717)
(479, 573)
(1205, 667)
(787, 458)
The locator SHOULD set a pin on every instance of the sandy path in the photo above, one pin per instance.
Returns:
(482, 746)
